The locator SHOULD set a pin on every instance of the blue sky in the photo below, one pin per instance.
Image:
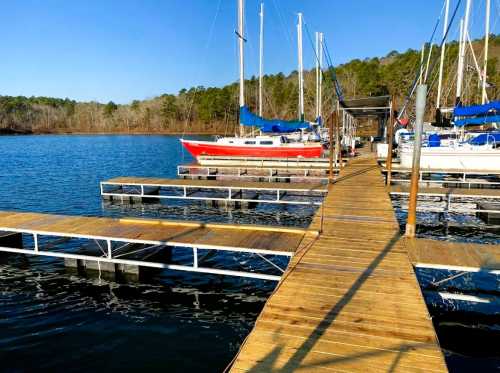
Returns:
(135, 49)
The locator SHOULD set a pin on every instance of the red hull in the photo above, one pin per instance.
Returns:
(204, 148)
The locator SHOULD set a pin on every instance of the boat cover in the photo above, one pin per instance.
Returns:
(477, 120)
(486, 138)
(467, 111)
(247, 118)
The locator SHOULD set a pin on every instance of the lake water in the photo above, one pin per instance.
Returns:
(53, 320)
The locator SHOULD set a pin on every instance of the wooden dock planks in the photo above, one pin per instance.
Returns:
(175, 233)
(454, 255)
(234, 184)
(349, 300)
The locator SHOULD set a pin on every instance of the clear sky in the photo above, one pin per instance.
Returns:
(122, 50)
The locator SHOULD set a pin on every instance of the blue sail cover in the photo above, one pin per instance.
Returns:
(477, 114)
(247, 118)
(467, 111)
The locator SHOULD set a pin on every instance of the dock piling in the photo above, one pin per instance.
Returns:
(415, 172)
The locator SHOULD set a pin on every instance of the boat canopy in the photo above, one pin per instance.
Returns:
(247, 118)
(485, 138)
(477, 114)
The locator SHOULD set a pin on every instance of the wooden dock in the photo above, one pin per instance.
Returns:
(448, 192)
(113, 236)
(349, 300)
(454, 256)
(253, 173)
(222, 190)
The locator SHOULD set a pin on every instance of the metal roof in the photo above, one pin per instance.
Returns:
(375, 106)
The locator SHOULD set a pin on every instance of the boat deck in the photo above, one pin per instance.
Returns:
(349, 300)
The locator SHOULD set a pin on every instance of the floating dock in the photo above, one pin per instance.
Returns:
(454, 256)
(117, 240)
(214, 190)
(349, 300)
(316, 163)
(449, 177)
(253, 173)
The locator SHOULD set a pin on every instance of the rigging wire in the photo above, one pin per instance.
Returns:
(431, 68)
(207, 45)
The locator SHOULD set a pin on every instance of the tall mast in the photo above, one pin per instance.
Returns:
(422, 64)
(261, 55)
(301, 68)
(441, 62)
(428, 61)
(461, 59)
(484, 98)
(317, 74)
(320, 91)
(242, 67)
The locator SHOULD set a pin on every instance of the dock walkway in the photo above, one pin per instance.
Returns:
(349, 300)
(117, 239)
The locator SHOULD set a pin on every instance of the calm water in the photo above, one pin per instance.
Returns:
(53, 320)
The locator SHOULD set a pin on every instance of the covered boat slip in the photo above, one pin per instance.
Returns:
(214, 190)
(118, 240)
(349, 300)
(254, 173)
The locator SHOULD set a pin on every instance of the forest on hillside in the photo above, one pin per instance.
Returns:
(214, 110)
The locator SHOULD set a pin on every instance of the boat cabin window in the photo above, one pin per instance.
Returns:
(266, 142)
(231, 141)
(249, 142)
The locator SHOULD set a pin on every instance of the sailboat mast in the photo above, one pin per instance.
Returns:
(301, 68)
(484, 98)
(320, 97)
(241, 40)
(261, 55)
(317, 74)
(441, 62)
(422, 64)
(461, 60)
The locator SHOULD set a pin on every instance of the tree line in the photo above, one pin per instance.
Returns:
(214, 110)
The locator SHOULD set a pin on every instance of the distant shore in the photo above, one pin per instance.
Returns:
(7, 132)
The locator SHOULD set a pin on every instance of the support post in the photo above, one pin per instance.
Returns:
(110, 253)
(195, 257)
(415, 172)
(390, 135)
(338, 146)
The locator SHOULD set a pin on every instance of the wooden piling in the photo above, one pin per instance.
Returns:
(415, 172)
(390, 137)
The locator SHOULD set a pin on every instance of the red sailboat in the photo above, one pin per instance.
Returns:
(258, 146)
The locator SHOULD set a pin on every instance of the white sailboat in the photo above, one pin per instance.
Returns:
(481, 152)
